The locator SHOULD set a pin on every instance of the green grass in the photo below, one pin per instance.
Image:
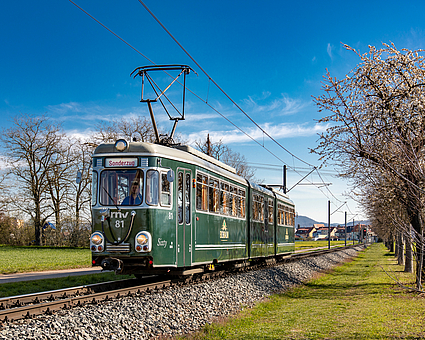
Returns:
(303, 245)
(355, 301)
(28, 259)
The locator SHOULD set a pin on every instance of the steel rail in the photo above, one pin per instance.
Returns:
(31, 310)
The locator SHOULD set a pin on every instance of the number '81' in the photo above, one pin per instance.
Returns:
(119, 224)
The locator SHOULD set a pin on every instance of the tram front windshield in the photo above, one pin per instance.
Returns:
(121, 187)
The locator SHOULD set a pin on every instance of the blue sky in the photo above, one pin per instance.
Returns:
(268, 56)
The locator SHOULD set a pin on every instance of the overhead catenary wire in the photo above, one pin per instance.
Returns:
(225, 93)
(116, 35)
(234, 103)
(210, 80)
(197, 96)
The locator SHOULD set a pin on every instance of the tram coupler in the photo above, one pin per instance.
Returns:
(111, 263)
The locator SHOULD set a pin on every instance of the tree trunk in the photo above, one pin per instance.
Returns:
(391, 244)
(397, 245)
(37, 234)
(37, 223)
(416, 222)
(400, 250)
(420, 274)
(408, 264)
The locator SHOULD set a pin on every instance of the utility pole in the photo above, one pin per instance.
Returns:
(209, 153)
(345, 243)
(329, 224)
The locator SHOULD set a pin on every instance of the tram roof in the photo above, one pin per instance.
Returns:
(181, 153)
(178, 152)
(271, 191)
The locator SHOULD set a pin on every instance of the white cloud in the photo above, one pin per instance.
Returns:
(277, 107)
(279, 131)
(329, 50)
(83, 135)
(71, 110)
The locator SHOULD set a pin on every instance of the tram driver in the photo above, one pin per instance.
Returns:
(135, 198)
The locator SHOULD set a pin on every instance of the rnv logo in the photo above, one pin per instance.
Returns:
(118, 214)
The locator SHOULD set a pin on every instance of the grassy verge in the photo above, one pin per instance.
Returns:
(28, 259)
(355, 301)
(304, 245)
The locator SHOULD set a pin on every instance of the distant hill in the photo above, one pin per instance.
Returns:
(305, 221)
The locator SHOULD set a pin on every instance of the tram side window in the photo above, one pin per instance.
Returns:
(152, 178)
(94, 188)
(165, 190)
(237, 202)
(280, 217)
(233, 204)
(201, 192)
(224, 198)
(292, 220)
(180, 198)
(214, 196)
(187, 199)
(261, 208)
(242, 199)
(258, 207)
(271, 205)
(254, 208)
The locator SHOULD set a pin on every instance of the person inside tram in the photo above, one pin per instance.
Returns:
(135, 198)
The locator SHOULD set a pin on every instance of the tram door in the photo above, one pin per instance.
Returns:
(184, 218)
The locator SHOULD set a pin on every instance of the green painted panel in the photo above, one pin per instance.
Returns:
(258, 240)
(163, 236)
(285, 239)
(163, 232)
(219, 237)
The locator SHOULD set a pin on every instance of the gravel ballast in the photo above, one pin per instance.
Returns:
(173, 311)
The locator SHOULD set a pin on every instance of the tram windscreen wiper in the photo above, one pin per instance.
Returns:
(112, 200)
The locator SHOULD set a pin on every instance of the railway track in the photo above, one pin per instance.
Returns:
(27, 306)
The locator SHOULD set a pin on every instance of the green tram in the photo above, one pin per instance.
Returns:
(174, 210)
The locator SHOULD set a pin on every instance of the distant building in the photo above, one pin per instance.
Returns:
(322, 233)
(305, 233)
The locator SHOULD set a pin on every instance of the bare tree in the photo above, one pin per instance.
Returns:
(378, 122)
(32, 149)
(224, 154)
(59, 176)
(138, 128)
(81, 188)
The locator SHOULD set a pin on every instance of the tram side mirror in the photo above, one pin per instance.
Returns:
(78, 179)
(170, 176)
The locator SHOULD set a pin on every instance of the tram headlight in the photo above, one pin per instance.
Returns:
(143, 242)
(96, 242)
(96, 239)
(142, 239)
(121, 145)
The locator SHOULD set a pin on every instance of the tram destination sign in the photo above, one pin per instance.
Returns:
(120, 162)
